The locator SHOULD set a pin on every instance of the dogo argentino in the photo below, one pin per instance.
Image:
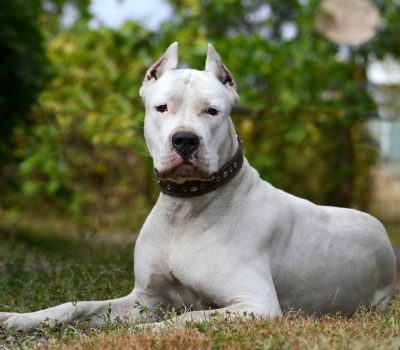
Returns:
(219, 238)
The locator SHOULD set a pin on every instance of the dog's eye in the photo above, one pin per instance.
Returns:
(211, 111)
(162, 108)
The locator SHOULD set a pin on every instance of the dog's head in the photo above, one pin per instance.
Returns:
(188, 130)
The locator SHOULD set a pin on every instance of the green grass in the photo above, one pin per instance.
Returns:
(41, 269)
(38, 270)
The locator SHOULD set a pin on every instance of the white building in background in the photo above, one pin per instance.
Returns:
(384, 77)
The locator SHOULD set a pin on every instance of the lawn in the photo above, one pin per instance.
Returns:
(38, 270)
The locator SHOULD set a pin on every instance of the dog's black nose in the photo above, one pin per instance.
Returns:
(185, 143)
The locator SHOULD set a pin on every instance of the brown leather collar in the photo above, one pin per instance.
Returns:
(198, 187)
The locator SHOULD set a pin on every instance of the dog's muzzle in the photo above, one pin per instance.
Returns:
(198, 187)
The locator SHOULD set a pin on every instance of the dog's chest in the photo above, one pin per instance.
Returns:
(195, 266)
(182, 295)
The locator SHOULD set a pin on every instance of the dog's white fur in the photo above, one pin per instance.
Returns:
(246, 247)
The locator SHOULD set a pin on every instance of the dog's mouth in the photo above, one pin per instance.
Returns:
(180, 168)
(185, 170)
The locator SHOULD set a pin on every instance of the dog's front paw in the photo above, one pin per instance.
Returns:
(4, 316)
(16, 322)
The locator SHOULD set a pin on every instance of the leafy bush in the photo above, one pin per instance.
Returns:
(22, 68)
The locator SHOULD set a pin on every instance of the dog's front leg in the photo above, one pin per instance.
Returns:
(95, 313)
(248, 310)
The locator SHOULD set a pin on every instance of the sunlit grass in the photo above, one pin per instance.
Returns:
(365, 330)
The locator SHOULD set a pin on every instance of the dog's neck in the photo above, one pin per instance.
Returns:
(181, 212)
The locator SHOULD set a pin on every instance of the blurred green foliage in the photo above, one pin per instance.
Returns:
(387, 41)
(86, 149)
(302, 112)
(22, 67)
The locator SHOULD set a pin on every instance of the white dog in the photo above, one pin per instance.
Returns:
(221, 239)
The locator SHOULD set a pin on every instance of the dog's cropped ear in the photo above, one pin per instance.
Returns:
(215, 66)
(167, 61)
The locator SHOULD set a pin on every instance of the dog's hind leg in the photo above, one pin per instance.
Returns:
(93, 313)
(381, 298)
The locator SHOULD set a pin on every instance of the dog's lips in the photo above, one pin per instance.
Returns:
(178, 168)
(185, 170)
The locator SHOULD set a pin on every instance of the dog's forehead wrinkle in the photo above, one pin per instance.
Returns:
(209, 93)
(193, 78)
(197, 88)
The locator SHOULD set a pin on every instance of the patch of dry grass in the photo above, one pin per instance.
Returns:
(365, 330)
